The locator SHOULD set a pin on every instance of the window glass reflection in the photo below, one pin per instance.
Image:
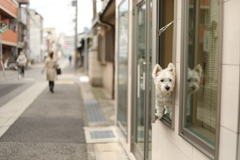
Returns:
(201, 68)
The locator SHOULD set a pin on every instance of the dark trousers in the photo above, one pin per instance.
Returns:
(51, 85)
(22, 70)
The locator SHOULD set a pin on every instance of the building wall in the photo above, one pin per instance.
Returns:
(166, 142)
(36, 36)
(9, 10)
(9, 7)
(107, 71)
(94, 68)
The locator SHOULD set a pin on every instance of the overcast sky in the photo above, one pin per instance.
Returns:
(60, 14)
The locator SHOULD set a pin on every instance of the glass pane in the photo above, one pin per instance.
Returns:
(201, 69)
(149, 107)
(166, 16)
(123, 66)
(140, 84)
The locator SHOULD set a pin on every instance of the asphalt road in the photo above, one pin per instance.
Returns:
(52, 126)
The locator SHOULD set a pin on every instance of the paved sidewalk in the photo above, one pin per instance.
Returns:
(104, 144)
(76, 122)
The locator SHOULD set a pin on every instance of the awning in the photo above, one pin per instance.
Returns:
(108, 12)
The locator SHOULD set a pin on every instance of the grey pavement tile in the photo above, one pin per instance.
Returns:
(65, 102)
(10, 90)
(57, 130)
(42, 151)
(6, 88)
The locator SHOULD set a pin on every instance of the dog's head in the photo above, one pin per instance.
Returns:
(194, 79)
(164, 79)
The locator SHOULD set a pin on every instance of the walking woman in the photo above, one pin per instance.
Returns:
(21, 61)
(51, 65)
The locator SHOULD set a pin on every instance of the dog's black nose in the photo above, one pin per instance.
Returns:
(167, 88)
(193, 87)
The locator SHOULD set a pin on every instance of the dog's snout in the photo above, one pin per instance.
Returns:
(193, 87)
(167, 88)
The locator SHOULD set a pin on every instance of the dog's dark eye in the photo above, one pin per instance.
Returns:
(170, 80)
(162, 80)
(189, 80)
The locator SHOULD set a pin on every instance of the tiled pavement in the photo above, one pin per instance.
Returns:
(37, 125)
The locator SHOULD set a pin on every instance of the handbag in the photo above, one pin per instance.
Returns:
(59, 71)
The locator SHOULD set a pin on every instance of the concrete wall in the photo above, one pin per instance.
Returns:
(94, 69)
(35, 38)
(108, 77)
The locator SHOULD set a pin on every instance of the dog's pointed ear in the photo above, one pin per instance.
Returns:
(156, 70)
(198, 69)
(171, 68)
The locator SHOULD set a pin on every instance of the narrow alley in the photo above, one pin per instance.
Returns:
(67, 124)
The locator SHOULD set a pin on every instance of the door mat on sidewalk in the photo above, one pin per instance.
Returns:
(94, 113)
(100, 135)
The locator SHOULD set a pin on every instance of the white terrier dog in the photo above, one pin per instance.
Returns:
(193, 83)
(164, 80)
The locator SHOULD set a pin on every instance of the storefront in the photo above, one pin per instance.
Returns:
(204, 47)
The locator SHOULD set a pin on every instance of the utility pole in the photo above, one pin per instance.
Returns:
(27, 43)
(76, 28)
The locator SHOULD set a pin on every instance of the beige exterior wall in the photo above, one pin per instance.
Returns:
(107, 71)
(94, 68)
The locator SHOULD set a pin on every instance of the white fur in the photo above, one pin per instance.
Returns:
(164, 80)
(193, 83)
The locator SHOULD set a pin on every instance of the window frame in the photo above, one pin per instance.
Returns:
(200, 145)
(170, 123)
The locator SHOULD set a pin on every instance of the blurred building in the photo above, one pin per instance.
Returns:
(9, 41)
(101, 64)
(23, 26)
(36, 36)
(50, 41)
(61, 44)
(82, 52)
(69, 47)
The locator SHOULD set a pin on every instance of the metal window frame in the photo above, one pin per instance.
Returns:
(200, 145)
(156, 42)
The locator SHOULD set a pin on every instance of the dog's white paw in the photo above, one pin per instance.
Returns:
(170, 115)
(158, 115)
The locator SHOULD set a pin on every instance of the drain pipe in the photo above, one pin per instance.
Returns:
(108, 25)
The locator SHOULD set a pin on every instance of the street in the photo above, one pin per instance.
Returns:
(37, 124)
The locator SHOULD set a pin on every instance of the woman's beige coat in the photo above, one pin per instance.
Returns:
(50, 65)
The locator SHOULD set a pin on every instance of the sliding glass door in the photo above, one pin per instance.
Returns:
(142, 81)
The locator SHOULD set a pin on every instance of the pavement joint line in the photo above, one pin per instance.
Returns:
(12, 110)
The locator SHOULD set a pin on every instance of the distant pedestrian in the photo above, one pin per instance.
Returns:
(51, 65)
(70, 60)
(21, 62)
